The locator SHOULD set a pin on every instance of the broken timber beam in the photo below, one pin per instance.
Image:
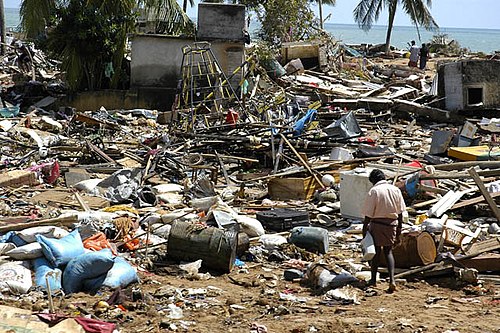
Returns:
(485, 193)
(64, 220)
(461, 175)
(473, 201)
(439, 115)
(466, 165)
(306, 165)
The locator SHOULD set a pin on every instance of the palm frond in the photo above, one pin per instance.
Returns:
(35, 14)
(367, 12)
(325, 2)
(419, 13)
(114, 7)
(168, 14)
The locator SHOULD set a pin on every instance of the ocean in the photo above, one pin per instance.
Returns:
(476, 40)
(12, 18)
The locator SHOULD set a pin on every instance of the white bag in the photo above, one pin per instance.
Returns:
(28, 235)
(252, 227)
(368, 247)
(5, 247)
(28, 251)
(15, 277)
(272, 241)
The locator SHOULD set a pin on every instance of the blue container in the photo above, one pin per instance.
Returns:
(312, 239)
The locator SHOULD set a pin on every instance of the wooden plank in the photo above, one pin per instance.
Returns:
(485, 193)
(425, 203)
(425, 188)
(473, 201)
(466, 165)
(419, 270)
(484, 246)
(306, 165)
(65, 220)
(484, 263)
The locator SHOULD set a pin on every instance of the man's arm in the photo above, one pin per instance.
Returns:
(365, 225)
(399, 227)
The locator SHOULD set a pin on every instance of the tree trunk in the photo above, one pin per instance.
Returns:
(320, 5)
(184, 5)
(392, 14)
(3, 37)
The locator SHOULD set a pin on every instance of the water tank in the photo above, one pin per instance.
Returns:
(354, 186)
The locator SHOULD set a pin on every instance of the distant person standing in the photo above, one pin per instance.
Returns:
(424, 55)
(414, 50)
(383, 210)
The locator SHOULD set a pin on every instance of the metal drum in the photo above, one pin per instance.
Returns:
(216, 247)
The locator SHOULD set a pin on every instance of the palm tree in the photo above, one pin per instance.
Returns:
(320, 6)
(368, 11)
(36, 15)
(89, 36)
(184, 4)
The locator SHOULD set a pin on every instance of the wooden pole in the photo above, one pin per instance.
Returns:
(66, 220)
(306, 165)
(223, 167)
(320, 5)
(473, 173)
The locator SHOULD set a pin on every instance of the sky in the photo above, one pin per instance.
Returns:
(481, 14)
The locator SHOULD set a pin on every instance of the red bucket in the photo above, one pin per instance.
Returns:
(232, 117)
(415, 164)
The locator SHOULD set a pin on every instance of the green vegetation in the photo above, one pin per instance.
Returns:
(286, 21)
(89, 36)
(441, 43)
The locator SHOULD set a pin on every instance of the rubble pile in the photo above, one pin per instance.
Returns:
(260, 190)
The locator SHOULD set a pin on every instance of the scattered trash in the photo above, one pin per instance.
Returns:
(260, 185)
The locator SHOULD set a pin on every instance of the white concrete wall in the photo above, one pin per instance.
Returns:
(157, 60)
(453, 86)
(221, 21)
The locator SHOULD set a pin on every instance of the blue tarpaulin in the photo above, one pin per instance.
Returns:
(299, 126)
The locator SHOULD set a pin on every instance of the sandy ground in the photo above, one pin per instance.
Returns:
(234, 302)
(415, 307)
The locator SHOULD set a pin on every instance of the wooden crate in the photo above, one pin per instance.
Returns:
(292, 188)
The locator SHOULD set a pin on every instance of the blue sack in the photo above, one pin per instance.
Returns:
(12, 237)
(92, 286)
(299, 126)
(60, 251)
(86, 266)
(119, 276)
(42, 267)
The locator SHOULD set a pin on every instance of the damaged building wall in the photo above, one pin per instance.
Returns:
(135, 98)
(221, 21)
(470, 84)
(157, 60)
